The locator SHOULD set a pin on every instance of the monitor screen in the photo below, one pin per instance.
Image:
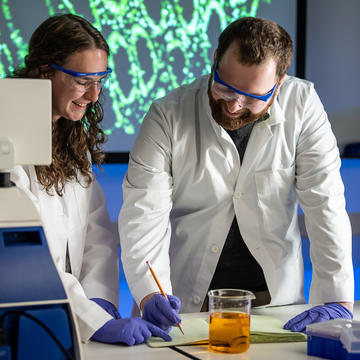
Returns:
(155, 46)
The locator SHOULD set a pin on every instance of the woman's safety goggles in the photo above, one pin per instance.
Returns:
(80, 81)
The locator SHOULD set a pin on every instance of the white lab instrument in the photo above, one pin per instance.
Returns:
(29, 282)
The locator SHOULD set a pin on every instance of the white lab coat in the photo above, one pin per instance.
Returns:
(80, 220)
(185, 183)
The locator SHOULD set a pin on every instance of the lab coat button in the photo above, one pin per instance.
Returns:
(214, 249)
(197, 299)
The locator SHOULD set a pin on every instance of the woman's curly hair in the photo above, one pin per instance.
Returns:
(53, 42)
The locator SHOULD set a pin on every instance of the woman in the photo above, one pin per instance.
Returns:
(70, 52)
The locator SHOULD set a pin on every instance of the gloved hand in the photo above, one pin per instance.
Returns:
(161, 312)
(130, 331)
(108, 307)
(318, 314)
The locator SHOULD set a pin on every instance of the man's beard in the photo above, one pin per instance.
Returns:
(245, 116)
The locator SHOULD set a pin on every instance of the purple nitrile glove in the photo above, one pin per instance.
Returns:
(161, 312)
(108, 307)
(318, 314)
(130, 331)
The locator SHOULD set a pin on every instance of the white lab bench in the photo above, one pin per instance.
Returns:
(278, 351)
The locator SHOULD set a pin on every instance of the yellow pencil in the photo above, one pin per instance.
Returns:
(161, 289)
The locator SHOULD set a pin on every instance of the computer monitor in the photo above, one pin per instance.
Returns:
(25, 122)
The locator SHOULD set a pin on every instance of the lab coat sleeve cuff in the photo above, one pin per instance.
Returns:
(140, 290)
(346, 295)
(97, 290)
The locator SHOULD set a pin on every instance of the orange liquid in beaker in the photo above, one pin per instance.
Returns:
(229, 332)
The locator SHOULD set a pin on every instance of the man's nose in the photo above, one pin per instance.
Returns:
(235, 104)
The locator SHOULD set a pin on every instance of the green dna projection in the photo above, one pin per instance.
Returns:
(155, 45)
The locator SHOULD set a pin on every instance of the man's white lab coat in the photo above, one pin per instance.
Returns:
(80, 221)
(185, 183)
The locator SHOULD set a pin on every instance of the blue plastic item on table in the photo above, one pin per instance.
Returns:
(337, 339)
(350, 338)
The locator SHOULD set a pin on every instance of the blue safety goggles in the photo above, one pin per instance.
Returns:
(80, 74)
(265, 97)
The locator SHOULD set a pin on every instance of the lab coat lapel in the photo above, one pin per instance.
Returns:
(260, 136)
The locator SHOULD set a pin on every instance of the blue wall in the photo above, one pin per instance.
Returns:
(111, 181)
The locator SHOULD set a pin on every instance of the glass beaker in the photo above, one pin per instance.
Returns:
(229, 320)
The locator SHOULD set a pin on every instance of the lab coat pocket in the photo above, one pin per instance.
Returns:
(276, 200)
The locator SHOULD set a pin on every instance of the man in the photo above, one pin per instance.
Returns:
(215, 177)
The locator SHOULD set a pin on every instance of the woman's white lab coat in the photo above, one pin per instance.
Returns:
(79, 220)
(185, 183)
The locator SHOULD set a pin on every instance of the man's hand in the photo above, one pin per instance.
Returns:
(161, 312)
(348, 305)
(318, 314)
(145, 299)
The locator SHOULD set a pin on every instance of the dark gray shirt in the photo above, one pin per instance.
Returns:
(236, 267)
